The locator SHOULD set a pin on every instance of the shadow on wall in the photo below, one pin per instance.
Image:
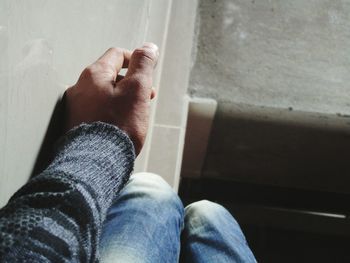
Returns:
(53, 133)
(279, 147)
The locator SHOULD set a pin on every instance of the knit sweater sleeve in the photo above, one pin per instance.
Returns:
(57, 216)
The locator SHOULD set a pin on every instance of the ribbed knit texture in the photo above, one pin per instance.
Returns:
(57, 216)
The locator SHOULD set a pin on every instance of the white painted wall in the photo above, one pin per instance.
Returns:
(169, 123)
(44, 45)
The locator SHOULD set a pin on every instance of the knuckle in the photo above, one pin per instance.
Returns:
(136, 81)
(88, 72)
(115, 50)
(103, 65)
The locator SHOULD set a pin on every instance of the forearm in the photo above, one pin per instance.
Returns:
(59, 213)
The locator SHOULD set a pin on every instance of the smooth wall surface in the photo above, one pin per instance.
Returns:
(44, 45)
(167, 138)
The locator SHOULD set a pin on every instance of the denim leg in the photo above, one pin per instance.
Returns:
(211, 234)
(144, 223)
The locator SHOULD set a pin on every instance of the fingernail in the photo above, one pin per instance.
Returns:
(151, 46)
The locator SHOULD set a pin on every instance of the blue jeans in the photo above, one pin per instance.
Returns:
(147, 223)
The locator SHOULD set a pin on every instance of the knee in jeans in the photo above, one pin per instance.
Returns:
(205, 213)
(153, 187)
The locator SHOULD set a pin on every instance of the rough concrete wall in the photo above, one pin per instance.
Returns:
(274, 53)
(280, 71)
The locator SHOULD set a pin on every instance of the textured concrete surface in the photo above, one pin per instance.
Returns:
(280, 71)
(274, 53)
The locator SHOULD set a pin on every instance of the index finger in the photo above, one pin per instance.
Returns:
(117, 58)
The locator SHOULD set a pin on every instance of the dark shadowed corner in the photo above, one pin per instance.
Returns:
(53, 132)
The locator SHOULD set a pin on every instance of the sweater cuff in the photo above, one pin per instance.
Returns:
(98, 156)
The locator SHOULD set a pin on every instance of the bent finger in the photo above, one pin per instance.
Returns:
(116, 58)
(143, 61)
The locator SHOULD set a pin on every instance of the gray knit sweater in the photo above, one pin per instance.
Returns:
(57, 216)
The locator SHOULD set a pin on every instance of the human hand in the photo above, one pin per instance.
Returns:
(102, 95)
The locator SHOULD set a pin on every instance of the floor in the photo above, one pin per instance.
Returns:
(279, 245)
(281, 224)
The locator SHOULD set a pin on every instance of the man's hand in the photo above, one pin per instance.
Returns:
(102, 95)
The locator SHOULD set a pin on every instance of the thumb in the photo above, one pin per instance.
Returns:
(141, 66)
